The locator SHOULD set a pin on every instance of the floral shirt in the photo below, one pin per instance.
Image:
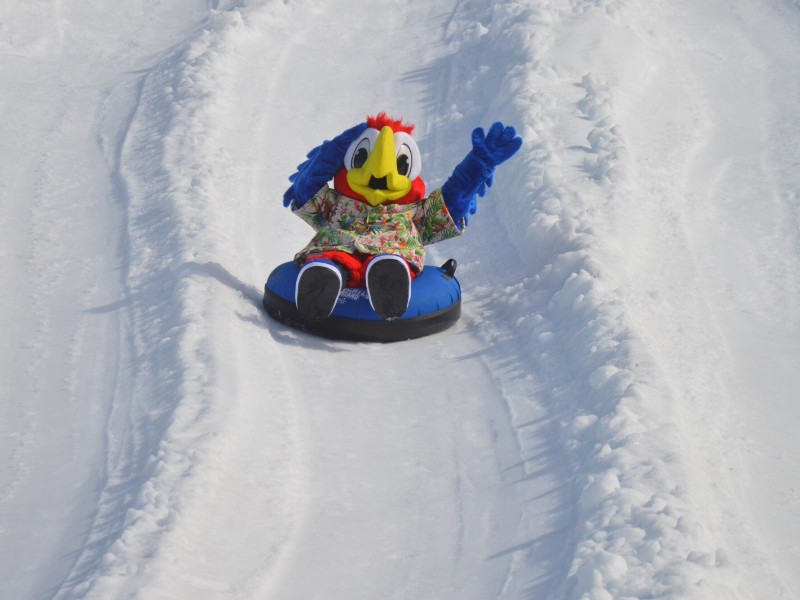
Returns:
(350, 225)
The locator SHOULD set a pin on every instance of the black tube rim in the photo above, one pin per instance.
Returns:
(339, 328)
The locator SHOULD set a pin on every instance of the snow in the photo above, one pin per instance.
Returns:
(613, 416)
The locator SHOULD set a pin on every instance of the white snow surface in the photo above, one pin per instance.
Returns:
(612, 418)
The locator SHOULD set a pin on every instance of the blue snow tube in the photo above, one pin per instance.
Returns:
(435, 305)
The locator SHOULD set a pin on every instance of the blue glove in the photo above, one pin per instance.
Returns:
(323, 163)
(474, 174)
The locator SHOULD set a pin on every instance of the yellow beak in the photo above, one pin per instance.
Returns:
(378, 180)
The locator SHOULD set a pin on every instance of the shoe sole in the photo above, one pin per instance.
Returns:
(318, 290)
(389, 288)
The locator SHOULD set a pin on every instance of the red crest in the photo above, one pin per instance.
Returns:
(382, 120)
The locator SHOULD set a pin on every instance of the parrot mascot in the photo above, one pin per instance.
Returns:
(372, 226)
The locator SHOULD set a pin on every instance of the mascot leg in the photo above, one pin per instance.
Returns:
(389, 285)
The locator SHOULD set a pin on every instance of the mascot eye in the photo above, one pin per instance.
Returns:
(361, 153)
(359, 150)
(404, 160)
(409, 160)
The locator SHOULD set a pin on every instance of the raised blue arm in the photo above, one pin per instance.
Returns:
(474, 174)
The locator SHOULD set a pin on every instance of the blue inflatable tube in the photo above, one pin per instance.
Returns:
(435, 305)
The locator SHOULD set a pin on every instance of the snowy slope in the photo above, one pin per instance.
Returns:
(613, 415)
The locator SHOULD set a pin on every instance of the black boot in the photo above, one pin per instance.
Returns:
(389, 286)
(318, 288)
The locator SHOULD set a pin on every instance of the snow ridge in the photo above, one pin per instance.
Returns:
(145, 463)
(181, 418)
(637, 530)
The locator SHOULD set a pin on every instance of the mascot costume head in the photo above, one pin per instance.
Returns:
(382, 164)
